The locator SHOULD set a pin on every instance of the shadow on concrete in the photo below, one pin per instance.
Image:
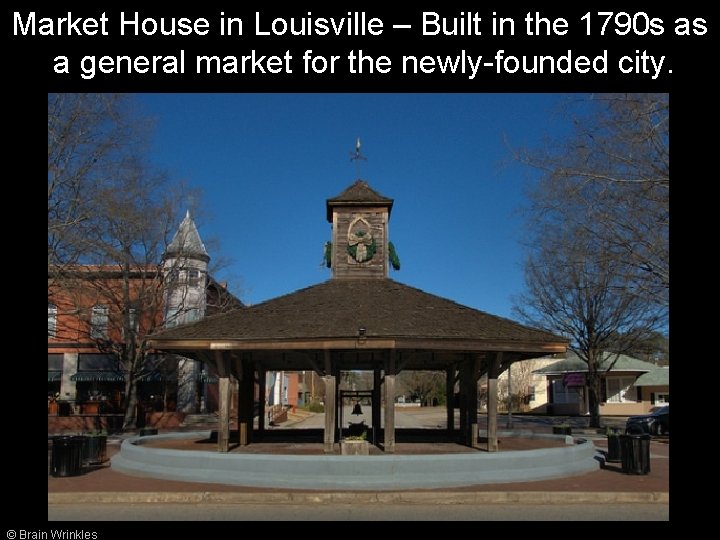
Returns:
(605, 465)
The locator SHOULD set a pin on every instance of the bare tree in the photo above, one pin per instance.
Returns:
(110, 219)
(87, 135)
(655, 349)
(423, 385)
(118, 290)
(576, 286)
(598, 230)
(611, 179)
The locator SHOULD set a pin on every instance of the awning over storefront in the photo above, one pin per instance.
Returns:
(153, 377)
(92, 376)
(54, 376)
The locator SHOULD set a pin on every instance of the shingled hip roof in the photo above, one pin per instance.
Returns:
(656, 377)
(573, 364)
(339, 308)
(358, 194)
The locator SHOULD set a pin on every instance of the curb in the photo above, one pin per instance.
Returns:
(401, 473)
(386, 497)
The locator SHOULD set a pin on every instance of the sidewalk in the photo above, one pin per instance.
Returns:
(606, 485)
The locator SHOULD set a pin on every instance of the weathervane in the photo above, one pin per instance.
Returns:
(357, 157)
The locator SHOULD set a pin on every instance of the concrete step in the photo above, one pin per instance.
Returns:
(195, 419)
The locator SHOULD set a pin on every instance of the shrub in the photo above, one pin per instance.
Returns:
(314, 406)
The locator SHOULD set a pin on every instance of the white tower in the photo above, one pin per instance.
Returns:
(185, 266)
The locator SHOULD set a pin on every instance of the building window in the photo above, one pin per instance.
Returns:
(620, 389)
(171, 317)
(99, 322)
(531, 394)
(52, 320)
(566, 394)
(132, 319)
(662, 399)
(173, 276)
(132, 323)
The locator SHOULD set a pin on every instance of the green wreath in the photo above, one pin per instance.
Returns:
(393, 257)
(370, 251)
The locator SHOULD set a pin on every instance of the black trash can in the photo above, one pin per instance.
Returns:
(94, 449)
(66, 456)
(613, 451)
(635, 453)
(64, 408)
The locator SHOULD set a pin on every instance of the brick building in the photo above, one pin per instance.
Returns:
(96, 312)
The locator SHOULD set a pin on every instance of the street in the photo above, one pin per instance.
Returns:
(435, 418)
(358, 512)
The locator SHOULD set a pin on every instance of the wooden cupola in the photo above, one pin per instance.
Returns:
(359, 217)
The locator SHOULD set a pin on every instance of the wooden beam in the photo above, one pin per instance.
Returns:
(262, 379)
(369, 343)
(389, 386)
(246, 393)
(389, 442)
(405, 358)
(327, 359)
(493, 372)
(311, 359)
(392, 362)
(224, 420)
(472, 382)
(222, 365)
(468, 400)
(463, 401)
(236, 367)
(329, 434)
(376, 407)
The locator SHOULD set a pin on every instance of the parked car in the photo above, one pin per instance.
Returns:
(655, 423)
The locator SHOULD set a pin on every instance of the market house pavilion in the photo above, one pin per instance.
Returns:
(360, 319)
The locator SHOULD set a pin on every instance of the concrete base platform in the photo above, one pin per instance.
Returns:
(385, 472)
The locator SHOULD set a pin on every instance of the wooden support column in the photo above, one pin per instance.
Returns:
(450, 400)
(376, 406)
(493, 372)
(246, 394)
(463, 401)
(262, 379)
(225, 390)
(338, 405)
(468, 412)
(389, 442)
(330, 409)
(474, 369)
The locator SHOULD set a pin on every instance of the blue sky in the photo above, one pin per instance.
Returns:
(266, 163)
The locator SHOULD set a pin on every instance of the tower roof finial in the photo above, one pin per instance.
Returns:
(356, 156)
